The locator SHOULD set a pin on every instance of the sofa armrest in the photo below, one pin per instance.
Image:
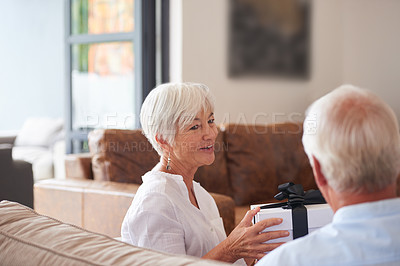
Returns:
(16, 178)
(226, 208)
(8, 139)
(78, 166)
(93, 205)
(6, 153)
(101, 206)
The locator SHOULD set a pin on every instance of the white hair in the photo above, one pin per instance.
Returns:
(171, 107)
(355, 136)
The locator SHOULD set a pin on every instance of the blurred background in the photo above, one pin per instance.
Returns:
(87, 61)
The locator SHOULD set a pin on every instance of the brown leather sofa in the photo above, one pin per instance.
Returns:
(251, 161)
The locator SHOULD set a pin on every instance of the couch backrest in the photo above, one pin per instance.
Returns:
(121, 155)
(250, 160)
(260, 157)
(126, 155)
(28, 238)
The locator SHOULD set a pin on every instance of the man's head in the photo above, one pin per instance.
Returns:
(353, 136)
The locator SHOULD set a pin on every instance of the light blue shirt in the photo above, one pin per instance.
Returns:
(360, 234)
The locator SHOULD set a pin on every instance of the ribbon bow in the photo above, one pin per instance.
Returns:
(296, 196)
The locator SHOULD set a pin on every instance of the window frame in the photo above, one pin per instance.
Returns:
(147, 66)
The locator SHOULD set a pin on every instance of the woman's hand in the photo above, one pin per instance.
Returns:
(247, 240)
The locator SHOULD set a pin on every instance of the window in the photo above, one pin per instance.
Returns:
(115, 55)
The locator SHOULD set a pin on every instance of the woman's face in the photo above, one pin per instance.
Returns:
(194, 145)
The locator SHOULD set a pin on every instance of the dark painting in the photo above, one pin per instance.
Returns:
(269, 38)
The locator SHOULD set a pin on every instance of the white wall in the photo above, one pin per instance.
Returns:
(353, 41)
(371, 56)
(340, 29)
(31, 61)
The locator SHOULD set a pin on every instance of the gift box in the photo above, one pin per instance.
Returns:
(303, 213)
(318, 215)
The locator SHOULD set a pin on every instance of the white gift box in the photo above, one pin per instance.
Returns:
(318, 215)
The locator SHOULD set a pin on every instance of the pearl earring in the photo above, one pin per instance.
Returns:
(169, 161)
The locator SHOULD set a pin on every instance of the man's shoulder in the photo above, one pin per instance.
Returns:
(302, 251)
(339, 244)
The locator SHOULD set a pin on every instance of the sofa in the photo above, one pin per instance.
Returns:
(40, 142)
(28, 238)
(251, 161)
(16, 178)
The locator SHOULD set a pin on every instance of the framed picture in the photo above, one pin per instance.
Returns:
(269, 38)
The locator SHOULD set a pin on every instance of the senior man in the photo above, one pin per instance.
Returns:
(352, 140)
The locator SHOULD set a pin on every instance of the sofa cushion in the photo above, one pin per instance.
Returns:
(261, 157)
(40, 131)
(28, 238)
(121, 155)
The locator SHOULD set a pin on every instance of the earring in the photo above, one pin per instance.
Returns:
(169, 161)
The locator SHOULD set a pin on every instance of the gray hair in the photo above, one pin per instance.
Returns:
(355, 136)
(171, 107)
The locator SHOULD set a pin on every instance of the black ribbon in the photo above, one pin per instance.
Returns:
(297, 198)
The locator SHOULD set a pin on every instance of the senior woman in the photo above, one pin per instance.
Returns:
(170, 211)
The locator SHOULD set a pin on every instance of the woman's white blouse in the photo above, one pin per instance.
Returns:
(161, 217)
